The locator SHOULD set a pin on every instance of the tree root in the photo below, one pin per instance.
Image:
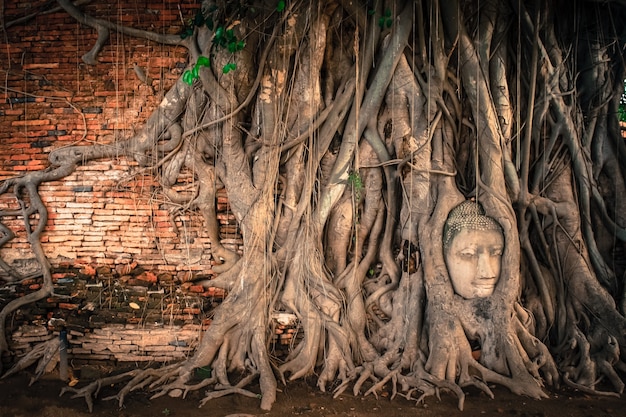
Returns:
(144, 378)
(44, 352)
(140, 379)
(391, 376)
(91, 391)
(419, 380)
(220, 390)
(431, 386)
(227, 391)
(583, 369)
(586, 389)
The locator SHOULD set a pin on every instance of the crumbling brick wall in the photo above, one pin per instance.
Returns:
(109, 211)
(110, 228)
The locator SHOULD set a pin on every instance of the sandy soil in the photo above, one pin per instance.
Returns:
(297, 399)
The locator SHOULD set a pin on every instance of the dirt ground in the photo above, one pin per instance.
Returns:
(297, 399)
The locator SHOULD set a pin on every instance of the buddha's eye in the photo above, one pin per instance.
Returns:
(496, 252)
(467, 254)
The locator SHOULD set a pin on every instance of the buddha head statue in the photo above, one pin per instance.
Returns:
(472, 245)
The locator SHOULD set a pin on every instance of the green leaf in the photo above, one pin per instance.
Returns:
(381, 22)
(198, 20)
(194, 72)
(241, 45)
(232, 47)
(187, 33)
(209, 23)
(389, 22)
(188, 77)
(219, 32)
(230, 34)
(371, 12)
(231, 66)
(387, 12)
(280, 6)
(203, 61)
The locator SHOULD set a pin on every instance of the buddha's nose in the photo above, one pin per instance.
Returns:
(485, 269)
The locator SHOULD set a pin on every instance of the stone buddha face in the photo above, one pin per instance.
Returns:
(473, 245)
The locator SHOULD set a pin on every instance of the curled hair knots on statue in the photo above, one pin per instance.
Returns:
(468, 215)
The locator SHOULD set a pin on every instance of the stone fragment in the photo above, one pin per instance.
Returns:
(175, 393)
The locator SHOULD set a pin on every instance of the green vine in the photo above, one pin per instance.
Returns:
(356, 183)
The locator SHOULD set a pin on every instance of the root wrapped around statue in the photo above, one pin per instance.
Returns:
(435, 189)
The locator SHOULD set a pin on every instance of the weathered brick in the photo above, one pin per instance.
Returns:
(32, 122)
(32, 126)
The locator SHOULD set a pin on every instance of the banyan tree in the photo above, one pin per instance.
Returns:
(435, 189)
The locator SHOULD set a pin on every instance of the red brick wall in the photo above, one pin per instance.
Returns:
(107, 212)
